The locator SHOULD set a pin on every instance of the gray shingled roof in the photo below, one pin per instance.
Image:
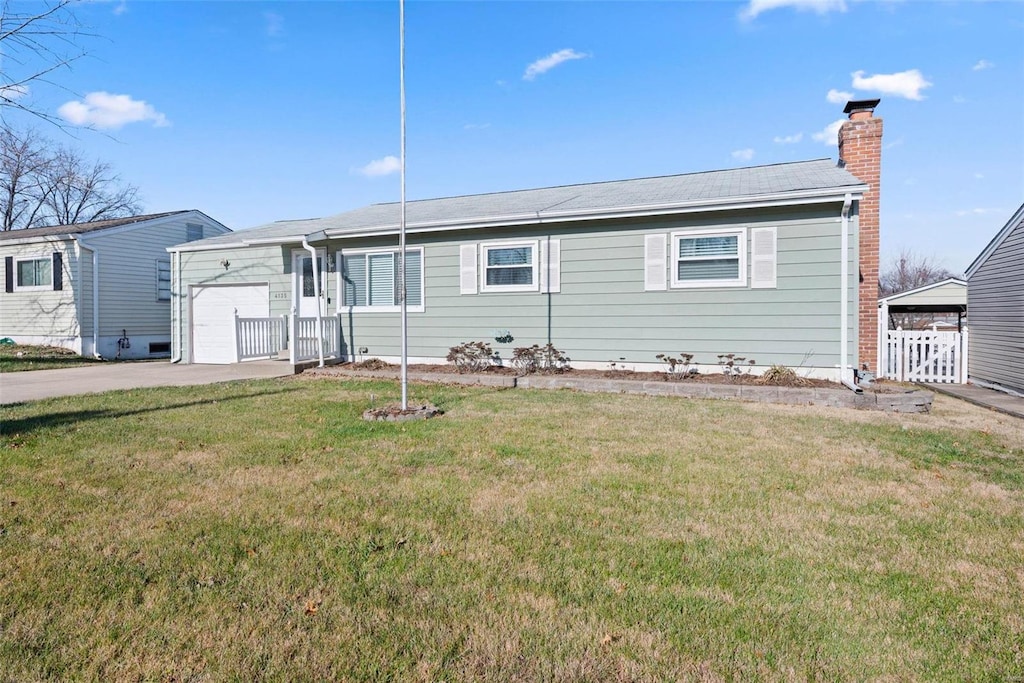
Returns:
(821, 175)
(81, 228)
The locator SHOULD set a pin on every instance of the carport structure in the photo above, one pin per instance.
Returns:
(924, 355)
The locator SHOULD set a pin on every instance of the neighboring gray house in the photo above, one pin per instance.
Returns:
(60, 280)
(746, 261)
(995, 299)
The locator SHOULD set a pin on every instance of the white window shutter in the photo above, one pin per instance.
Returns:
(655, 263)
(763, 258)
(551, 266)
(467, 269)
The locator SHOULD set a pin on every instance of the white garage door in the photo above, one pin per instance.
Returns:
(213, 318)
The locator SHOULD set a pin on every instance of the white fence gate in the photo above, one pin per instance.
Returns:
(926, 356)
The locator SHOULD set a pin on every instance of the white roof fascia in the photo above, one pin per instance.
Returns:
(38, 238)
(996, 242)
(265, 242)
(923, 288)
(626, 212)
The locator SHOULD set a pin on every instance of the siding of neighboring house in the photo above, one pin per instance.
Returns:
(950, 293)
(45, 317)
(128, 280)
(995, 304)
(602, 313)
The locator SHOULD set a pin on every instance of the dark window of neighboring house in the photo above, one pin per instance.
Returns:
(193, 232)
(34, 273)
(163, 280)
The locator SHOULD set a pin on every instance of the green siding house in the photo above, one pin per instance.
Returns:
(760, 262)
(101, 289)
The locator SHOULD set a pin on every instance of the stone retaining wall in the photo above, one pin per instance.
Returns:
(915, 401)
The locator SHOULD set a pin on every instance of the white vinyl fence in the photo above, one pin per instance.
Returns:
(926, 356)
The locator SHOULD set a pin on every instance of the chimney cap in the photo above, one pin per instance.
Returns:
(860, 105)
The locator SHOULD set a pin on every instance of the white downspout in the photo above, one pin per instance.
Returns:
(176, 329)
(844, 305)
(316, 292)
(95, 294)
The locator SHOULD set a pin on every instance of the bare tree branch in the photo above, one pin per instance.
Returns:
(33, 46)
(44, 184)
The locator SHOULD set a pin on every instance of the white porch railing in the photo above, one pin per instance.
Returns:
(926, 356)
(260, 337)
(303, 338)
(267, 337)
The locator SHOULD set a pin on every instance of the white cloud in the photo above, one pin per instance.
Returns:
(978, 176)
(976, 212)
(959, 99)
(476, 126)
(274, 24)
(788, 139)
(13, 92)
(381, 167)
(743, 154)
(756, 7)
(106, 111)
(908, 84)
(982, 65)
(838, 96)
(545, 64)
(830, 135)
(120, 8)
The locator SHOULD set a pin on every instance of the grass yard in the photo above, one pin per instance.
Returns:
(262, 531)
(19, 358)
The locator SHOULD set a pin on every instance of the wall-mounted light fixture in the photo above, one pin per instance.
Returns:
(224, 262)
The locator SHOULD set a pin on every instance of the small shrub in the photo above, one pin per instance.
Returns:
(678, 368)
(544, 359)
(471, 356)
(780, 375)
(732, 365)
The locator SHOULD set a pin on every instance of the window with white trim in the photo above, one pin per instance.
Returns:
(33, 273)
(369, 282)
(509, 267)
(709, 258)
(163, 280)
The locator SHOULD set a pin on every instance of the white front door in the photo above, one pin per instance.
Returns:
(303, 286)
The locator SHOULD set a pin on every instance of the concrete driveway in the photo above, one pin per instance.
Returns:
(16, 387)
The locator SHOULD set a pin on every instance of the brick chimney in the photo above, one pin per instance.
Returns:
(860, 151)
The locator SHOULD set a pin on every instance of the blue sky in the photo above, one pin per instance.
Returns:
(261, 111)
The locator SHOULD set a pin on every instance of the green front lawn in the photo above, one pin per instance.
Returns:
(263, 531)
(18, 358)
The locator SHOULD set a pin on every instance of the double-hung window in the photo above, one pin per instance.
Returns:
(509, 267)
(710, 258)
(35, 273)
(163, 280)
(369, 280)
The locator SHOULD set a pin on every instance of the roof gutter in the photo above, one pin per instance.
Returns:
(539, 218)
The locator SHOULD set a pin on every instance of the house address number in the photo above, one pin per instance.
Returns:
(280, 295)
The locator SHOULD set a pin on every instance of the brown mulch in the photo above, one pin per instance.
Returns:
(704, 378)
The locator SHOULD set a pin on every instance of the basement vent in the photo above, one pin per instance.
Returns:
(159, 348)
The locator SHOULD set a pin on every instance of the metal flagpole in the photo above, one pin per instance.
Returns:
(401, 227)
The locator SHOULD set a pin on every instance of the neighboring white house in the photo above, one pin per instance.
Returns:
(995, 296)
(60, 280)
